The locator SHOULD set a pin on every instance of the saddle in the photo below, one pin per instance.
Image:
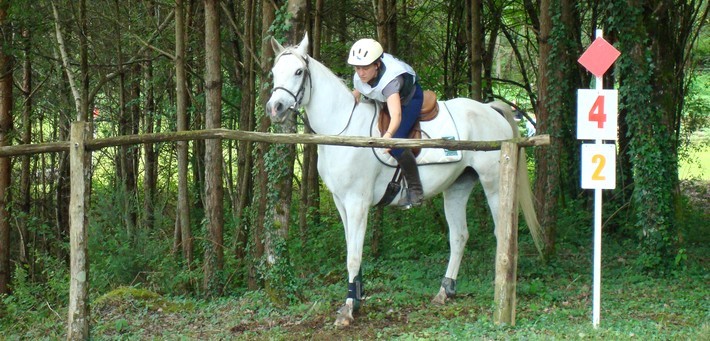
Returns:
(430, 109)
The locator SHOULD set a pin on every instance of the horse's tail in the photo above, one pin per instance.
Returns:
(525, 200)
(524, 189)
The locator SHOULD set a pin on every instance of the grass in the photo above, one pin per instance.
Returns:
(553, 300)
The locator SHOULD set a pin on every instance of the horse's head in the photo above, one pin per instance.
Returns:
(290, 74)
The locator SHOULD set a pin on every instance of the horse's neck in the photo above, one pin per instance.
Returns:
(331, 104)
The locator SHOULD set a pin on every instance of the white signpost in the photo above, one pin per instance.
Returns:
(597, 120)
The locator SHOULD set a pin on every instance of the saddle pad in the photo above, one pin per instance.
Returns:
(442, 127)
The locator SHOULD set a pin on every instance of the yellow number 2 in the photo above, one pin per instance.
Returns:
(598, 158)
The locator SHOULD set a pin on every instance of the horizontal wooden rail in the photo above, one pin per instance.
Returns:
(39, 148)
(226, 134)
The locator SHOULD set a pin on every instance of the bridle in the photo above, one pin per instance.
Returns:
(298, 96)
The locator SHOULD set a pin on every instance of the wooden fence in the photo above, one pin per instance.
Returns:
(81, 144)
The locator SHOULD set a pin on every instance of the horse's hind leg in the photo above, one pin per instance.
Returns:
(455, 199)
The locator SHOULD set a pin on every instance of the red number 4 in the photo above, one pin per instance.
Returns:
(596, 114)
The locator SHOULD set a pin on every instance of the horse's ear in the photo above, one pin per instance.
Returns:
(276, 46)
(303, 45)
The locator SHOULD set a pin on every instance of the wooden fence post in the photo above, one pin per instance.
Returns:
(507, 237)
(78, 324)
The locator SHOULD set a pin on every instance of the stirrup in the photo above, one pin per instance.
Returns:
(406, 202)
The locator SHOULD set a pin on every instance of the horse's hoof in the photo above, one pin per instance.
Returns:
(345, 316)
(440, 298)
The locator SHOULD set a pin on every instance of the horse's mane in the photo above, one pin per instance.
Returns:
(311, 62)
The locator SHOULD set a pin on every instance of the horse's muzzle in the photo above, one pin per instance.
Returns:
(277, 111)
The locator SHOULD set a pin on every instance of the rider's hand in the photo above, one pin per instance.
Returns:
(387, 135)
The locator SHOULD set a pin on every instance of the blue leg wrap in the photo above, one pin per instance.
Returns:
(355, 291)
(449, 286)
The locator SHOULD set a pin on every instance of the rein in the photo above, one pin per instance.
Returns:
(305, 121)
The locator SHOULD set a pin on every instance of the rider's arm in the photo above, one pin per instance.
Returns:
(395, 108)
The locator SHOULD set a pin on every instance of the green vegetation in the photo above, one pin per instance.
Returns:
(697, 166)
(554, 299)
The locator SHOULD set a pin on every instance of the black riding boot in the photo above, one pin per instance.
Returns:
(413, 194)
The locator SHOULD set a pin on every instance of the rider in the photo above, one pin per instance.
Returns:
(381, 77)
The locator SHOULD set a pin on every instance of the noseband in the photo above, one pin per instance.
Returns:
(298, 96)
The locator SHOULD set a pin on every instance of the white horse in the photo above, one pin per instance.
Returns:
(358, 179)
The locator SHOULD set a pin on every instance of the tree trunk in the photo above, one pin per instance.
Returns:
(381, 23)
(214, 192)
(455, 52)
(6, 66)
(83, 114)
(25, 193)
(281, 183)
(61, 198)
(197, 24)
(246, 76)
(183, 207)
(267, 54)
(489, 52)
(476, 49)
(654, 93)
(310, 189)
(126, 176)
(150, 158)
(69, 90)
(78, 311)
(547, 170)
(566, 85)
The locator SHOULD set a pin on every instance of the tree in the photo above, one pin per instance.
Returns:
(455, 50)
(6, 65)
(476, 49)
(25, 186)
(126, 158)
(546, 186)
(150, 159)
(182, 225)
(246, 64)
(386, 13)
(214, 192)
(310, 185)
(279, 273)
(662, 32)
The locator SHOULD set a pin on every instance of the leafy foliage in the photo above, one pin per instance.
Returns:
(652, 148)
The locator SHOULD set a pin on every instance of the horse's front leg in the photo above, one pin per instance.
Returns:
(355, 222)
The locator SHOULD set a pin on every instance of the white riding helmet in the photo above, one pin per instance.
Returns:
(364, 52)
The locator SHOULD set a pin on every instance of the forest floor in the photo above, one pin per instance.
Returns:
(553, 299)
(554, 303)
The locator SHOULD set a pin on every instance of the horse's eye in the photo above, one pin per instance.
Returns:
(299, 72)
